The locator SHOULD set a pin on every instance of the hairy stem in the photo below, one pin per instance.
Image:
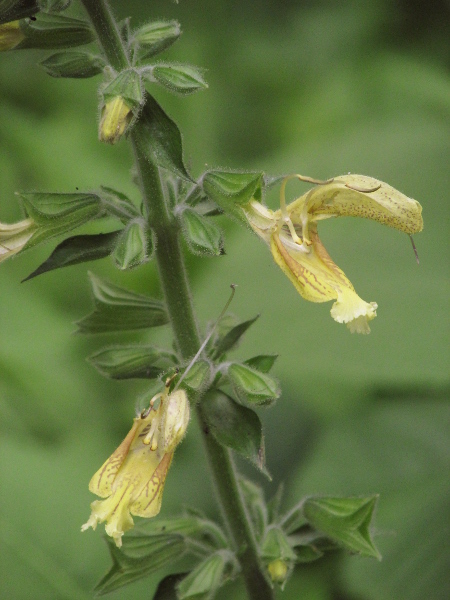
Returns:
(175, 286)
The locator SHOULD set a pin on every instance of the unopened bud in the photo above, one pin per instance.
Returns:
(10, 35)
(278, 570)
(116, 116)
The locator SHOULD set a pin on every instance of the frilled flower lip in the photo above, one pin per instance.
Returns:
(291, 233)
(132, 479)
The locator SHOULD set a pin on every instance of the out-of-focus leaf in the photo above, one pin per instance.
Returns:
(167, 587)
(78, 249)
(158, 137)
(133, 361)
(117, 309)
(235, 426)
(256, 505)
(75, 65)
(229, 341)
(137, 560)
(55, 31)
(13, 10)
(251, 386)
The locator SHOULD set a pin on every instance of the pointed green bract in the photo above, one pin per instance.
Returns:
(117, 204)
(153, 38)
(347, 521)
(235, 426)
(78, 249)
(75, 65)
(128, 568)
(230, 340)
(181, 79)
(199, 375)
(207, 577)
(262, 362)
(231, 190)
(202, 236)
(256, 505)
(132, 361)
(117, 309)
(55, 31)
(251, 386)
(126, 85)
(133, 247)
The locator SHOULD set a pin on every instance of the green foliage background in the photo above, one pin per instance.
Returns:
(320, 88)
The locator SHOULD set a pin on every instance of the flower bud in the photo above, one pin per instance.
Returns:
(116, 116)
(10, 35)
(278, 570)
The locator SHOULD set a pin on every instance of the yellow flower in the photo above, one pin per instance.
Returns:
(291, 233)
(116, 116)
(14, 237)
(10, 35)
(132, 479)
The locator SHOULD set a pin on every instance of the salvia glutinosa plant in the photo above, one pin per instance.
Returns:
(255, 541)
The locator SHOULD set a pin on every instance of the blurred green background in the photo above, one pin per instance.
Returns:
(320, 88)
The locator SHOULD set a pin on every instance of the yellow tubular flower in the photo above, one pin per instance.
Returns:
(10, 35)
(291, 233)
(132, 479)
(14, 237)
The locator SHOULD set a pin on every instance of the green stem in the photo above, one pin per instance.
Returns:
(107, 32)
(176, 291)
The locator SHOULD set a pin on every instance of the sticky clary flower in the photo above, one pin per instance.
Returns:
(132, 479)
(10, 35)
(291, 233)
(14, 237)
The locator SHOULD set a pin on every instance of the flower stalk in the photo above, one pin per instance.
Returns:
(176, 291)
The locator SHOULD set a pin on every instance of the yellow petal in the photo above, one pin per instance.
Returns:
(147, 503)
(14, 237)
(359, 196)
(352, 310)
(10, 35)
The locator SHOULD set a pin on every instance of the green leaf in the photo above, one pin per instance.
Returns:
(159, 138)
(251, 386)
(133, 247)
(75, 65)
(202, 236)
(307, 554)
(117, 309)
(229, 341)
(262, 362)
(256, 505)
(181, 79)
(155, 37)
(235, 426)
(55, 31)
(130, 362)
(346, 521)
(78, 249)
(191, 525)
(167, 587)
(230, 190)
(139, 558)
(203, 582)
